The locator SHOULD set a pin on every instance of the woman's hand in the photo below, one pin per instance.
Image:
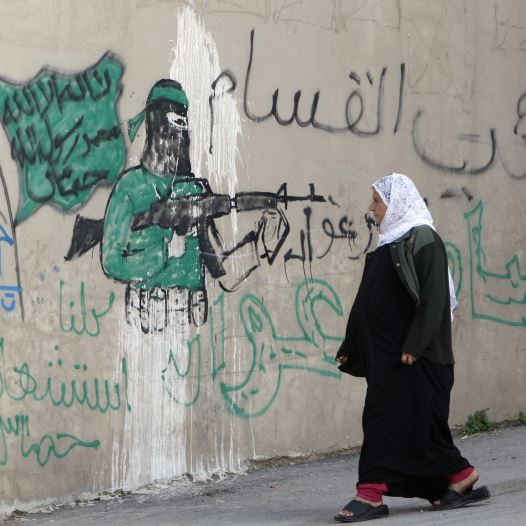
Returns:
(341, 358)
(408, 359)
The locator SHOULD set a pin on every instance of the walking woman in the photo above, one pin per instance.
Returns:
(399, 338)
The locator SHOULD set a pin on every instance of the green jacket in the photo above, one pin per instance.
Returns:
(420, 259)
(141, 257)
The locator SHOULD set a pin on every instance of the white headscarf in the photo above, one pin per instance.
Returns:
(405, 210)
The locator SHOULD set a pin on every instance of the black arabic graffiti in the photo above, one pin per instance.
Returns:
(310, 248)
(354, 114)
(463, 166)
(353, 109)
(352, 122)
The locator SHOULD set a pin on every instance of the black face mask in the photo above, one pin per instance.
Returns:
(167, 138)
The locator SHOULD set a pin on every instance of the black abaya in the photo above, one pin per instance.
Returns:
(407, 442)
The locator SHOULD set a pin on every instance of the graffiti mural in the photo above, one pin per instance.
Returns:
(227, 240)
(159, 235)
(64, 133)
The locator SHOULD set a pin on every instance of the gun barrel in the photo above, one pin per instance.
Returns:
(188, 211)
(245, 201)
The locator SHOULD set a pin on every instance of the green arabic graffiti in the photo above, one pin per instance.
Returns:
(271, 354)
(59, 445)
(454, 258)
(495, 296)
(172, 375)
(217, 310)
(64, 133)
(95, 395)
(84, 324)
(193, 364)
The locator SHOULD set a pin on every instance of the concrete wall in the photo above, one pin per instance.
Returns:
(93, 395)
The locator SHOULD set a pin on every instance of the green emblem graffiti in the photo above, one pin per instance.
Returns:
(64, 133)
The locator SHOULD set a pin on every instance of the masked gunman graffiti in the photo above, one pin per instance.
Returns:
(156, 258)
(64, 134)
(159, 235)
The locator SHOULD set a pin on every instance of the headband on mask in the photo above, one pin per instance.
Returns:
(157, 94)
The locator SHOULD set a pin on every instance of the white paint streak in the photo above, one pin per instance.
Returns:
(153, 445)
(194, 62)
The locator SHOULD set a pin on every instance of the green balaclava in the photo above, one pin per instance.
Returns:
(162, 91)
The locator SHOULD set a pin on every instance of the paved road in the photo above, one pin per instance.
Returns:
(308, 494)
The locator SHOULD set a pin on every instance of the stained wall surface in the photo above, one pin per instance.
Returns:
(132, 353)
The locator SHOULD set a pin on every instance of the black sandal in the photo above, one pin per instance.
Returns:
(361, 511)
(453, 499)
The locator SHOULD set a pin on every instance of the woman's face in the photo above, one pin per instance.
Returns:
(377, 207)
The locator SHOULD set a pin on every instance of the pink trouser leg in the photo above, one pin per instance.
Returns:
(461, 475)
(371, 492)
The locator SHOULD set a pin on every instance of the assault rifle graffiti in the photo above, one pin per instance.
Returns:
(158, 235)
(183, 214)
(195, 214)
